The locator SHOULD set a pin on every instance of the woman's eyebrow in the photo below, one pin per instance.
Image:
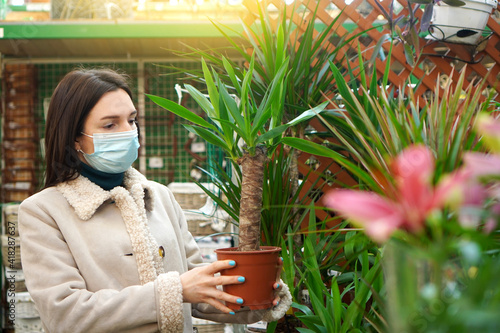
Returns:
(133, 113)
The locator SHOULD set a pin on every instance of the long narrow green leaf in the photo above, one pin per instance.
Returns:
(236, 46)
(274, 88)
(180, 111)
(265, 110)
(306, 115)
(387, 70)
(271, 327)
(235, 130)
(268, 41)
(363, 291)
(337, 305)
(209, 137)
(253, 38)
(280, 47)
(269, 135)
(261, 118)
(202, 101)
(288, 261)
(212, 89)
(305, 330)
(232, 75)
(319, 150)
(362, 69)
(225, 116)
(244, 96)
(232, 108)
(344, 90)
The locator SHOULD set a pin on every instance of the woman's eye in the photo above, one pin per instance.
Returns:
(131, 121)
(109, 126)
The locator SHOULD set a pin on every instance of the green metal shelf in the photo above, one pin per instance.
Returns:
(111, 29)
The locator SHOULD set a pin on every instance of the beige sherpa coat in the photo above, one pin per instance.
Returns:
(92, 263)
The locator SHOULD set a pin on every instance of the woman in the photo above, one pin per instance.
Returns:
(103, 249)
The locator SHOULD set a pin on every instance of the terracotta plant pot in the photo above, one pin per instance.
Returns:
(259, 269)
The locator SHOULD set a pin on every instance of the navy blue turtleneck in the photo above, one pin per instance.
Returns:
(105, 180)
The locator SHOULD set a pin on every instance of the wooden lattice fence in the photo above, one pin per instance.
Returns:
(438, 63)
(438, 59)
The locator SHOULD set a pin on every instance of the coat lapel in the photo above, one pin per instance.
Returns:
(84, 196)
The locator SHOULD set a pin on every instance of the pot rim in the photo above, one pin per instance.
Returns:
(492, 3)
(263, 250)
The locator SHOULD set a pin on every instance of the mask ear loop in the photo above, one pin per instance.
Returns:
(79, 150)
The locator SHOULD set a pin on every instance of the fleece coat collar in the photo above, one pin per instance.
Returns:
(86, 197)
(133, 200)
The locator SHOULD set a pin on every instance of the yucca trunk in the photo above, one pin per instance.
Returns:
(252, 169)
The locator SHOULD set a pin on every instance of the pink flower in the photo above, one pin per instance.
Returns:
(482, 169)
(481, 165)
(378, 215)
(415, 199)
(489, 127)
(492, 221)
(452, 188)
(413, 170)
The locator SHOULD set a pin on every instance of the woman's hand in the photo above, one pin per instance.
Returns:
(277, 286)
(199, 285)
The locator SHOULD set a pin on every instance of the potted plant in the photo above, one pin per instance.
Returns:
(248, 131)
(456, 21)
(463, 24)
(273, 39)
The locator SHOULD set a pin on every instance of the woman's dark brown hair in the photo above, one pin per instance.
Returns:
(75, 95)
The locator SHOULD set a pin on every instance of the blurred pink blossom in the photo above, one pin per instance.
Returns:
(415, 199)
(378, 215)
(481, 164)
(489, 128)
(483, 170)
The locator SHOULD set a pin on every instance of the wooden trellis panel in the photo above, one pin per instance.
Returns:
(437, 63)
(431, 66)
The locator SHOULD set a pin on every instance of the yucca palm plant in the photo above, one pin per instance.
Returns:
(246, 129)
(309, 51)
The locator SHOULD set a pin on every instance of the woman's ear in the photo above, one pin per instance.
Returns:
(77, 146)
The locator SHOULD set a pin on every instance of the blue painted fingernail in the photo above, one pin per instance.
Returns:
(232, 263)
(231, 313)
(241, 279)
(277, 303)
(281, 258)
(239, 301)
(278, 286)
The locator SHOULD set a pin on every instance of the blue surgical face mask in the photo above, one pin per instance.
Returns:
(113, 152)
